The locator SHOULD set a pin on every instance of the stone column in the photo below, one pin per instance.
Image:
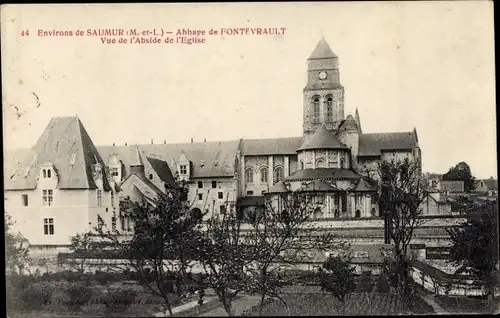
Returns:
(339, 208)
(327, 159)
(314, 159)
(338, 159)
(286, 163)
(369, 205)
(242, 175)
(270, 175)
(353, 205)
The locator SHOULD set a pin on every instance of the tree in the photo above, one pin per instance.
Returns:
(461, 172)
(337, 277)
(83, 245)
(402, 193)
(16, 255)
(281, 238)
(160, 249)
(475, 244)
(223, 257)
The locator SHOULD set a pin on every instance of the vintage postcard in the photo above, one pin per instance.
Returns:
(250, 159)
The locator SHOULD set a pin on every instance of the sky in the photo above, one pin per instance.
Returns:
(404, 65)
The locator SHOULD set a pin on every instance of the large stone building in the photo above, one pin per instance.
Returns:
(64, 183)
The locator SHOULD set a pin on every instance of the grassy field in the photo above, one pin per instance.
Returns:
(465, 305)
(322, 304)
(145, 304)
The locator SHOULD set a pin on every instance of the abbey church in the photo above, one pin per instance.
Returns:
(65, 184)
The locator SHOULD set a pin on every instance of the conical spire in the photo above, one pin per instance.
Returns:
(358, 121)
(322, 139)
(322, 51)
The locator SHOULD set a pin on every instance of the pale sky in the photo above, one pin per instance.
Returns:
(428, 65)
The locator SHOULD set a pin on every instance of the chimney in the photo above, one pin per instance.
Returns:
(151, 141)
(125, 143)
(164, 142)
(113, 144)
(205, 140)
(191, 139)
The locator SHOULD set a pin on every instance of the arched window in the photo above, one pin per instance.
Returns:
(44, 173)
(278, 174)
(342, 162)
(320, 163)
(264, 175)
(249, 175)
(48, 173)
(301, 164)
(316, 110)
(358, 213)
(329, 108)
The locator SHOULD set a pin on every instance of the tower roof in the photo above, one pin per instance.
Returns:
(66, 145)
(322, 51)
(322, 139)
(349, 123)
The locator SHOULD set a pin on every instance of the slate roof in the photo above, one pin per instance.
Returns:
(279, 187)
(144, 186)
(349, 122)
(209, 159)
(374, 144)
(163, 171)
(491, 184)
(319, 186)
(363, 186)
(274, 146)
(322, 50)
(323, 173)
(63, 139)
(451, 186)
(322, 139)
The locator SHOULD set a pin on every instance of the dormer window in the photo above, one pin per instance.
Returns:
(183, 169)
(49, 173)
(44, 173)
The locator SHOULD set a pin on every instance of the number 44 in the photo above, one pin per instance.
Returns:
(25, 33)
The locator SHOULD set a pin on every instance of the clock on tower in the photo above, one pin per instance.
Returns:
(322, 75)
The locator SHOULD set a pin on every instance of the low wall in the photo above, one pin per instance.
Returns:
(441, 283)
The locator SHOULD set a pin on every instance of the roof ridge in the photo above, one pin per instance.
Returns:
(81, 148)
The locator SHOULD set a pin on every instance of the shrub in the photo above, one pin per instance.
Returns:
(364, 283)
(15, 286)
(119, 300)
(102, 277)
(79, 295)
(34, 297)
(383, 284)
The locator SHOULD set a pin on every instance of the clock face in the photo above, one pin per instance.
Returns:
(322, 75)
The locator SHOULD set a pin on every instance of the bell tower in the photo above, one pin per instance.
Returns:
(323, 94)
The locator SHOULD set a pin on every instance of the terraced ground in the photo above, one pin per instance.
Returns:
(322, 304)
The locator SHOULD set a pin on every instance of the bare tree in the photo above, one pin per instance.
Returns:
(402, 193)
(82, 244)
(283, 236)
(223, 256)
(159, 251)
(16, 255)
